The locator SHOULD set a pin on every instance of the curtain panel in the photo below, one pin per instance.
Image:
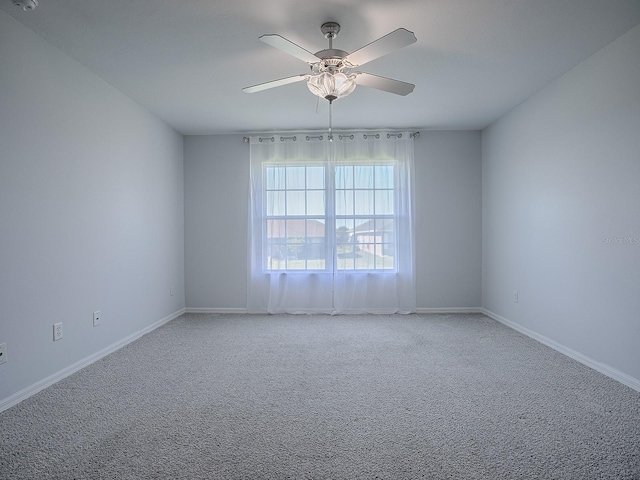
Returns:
(331, 224)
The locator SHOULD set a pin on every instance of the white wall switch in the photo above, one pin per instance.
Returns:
(3, 353)
(97, 318)
(57, 331)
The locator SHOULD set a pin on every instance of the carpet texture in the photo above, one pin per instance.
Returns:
(319, 397)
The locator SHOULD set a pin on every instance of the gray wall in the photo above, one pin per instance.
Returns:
(216, 184)
(448, 223)
(561, 210)
(91, 211)
(448, 219)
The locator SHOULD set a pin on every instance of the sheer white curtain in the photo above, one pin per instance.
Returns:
(282, 290)
(331, 224)
(386, 290)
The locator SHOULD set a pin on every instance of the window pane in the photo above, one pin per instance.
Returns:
(385, 226)
(387, 259)
(344, 177)
(316, 264)
(275, 230)
(315, 202)
(364, 202)
(346, 223)
(315, 177)
(363, 177)
(315, 246)
(296, 264)
(364, 234)
(275, 203)
(315, 231)
(275, 178)
(365, 258)
(344, 202)
(345, 262)
(296, 230)
(364, 226)
(295, 177)
(295, 203)
(384, 257)
(384, 176)
(276, 257)
(384, 202)
(344, 231)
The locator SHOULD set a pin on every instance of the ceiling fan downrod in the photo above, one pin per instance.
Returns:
(330, 31)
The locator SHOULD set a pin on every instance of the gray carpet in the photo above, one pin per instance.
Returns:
(342, 397)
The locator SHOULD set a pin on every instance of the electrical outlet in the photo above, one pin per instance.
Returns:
(3, 353)
(57, 331)
(97, 318)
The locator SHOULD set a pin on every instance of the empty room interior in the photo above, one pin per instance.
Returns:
(331, 239)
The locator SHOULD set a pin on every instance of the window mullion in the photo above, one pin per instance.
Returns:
(330, 219)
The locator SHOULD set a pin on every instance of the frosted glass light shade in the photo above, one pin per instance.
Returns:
(331, 85)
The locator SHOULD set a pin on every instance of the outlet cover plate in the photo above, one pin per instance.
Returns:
(3, 353)
(97, 318)
(57, 331)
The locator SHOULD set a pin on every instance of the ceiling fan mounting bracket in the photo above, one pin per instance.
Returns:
(330, 30)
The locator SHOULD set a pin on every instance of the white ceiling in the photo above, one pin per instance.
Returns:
(187, 60)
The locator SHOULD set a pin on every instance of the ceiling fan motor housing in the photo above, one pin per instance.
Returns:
(328, 64)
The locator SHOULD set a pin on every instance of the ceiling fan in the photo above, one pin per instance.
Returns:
(332, 71)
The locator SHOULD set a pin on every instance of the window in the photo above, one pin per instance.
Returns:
(330, 224)
(297, 215)
(364, 213)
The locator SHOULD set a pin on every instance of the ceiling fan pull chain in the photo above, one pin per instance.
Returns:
(330, 123)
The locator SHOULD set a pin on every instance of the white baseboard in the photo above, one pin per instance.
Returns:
(418, 310)
(450, 310)
(65, 372)
(215, 310)
(611, 372)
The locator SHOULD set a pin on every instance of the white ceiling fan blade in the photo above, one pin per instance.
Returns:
(392, 41)
(274, 83)
(383, 83)
(289, 47)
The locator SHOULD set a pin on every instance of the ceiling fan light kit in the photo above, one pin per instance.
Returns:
(331, 86)
(332, 76)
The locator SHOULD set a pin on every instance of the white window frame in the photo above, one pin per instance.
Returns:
(331, 218)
